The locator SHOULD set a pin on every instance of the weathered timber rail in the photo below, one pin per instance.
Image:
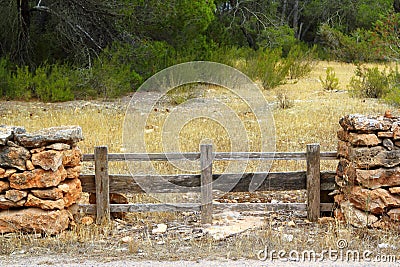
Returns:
(102, 183)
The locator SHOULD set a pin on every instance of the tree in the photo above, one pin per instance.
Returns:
(34, 31)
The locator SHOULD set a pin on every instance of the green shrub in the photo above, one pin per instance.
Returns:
(369, 82)
(300, 61)
(331, 82)
(21, 84)
(52, 83)
(393, 95)
(267, 66)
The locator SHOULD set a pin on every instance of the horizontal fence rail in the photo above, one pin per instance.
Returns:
(102, 184)
(217, 156)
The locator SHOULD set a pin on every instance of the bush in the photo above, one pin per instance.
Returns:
(369, 82)
(393, 95)
(266, 66)
(331, 82)
(300, 61)
(53, 83)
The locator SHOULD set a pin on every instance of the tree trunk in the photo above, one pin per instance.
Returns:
(283, 14)
(296, 18)
(24, 21)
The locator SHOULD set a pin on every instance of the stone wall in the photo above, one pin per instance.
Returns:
(368, 173)
(39, 178)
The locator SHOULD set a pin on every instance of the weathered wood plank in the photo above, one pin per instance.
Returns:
(102, 185)
(206, 180)
(145, 207)
(313, 182)
(217, 156)
(275, 181)
(150, 207)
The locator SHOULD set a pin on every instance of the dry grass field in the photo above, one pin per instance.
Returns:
(312, 119)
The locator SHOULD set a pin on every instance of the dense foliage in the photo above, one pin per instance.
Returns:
(60, 50)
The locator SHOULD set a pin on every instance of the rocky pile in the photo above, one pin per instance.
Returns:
(39, 178)
(368, 173)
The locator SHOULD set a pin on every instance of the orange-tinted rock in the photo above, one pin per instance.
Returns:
(29, 165)
(72, 157)
(16, 195)
(379, 177)
(6, 204)
(44, 204)
(34, 220)
(51, 193)
(72, 190)
(338, 198)
(359, 139)
(8, 173)
(396, 131)
(343, 149)
(59, 146)
(48, 160)
(73, 172)
(394, 214)
(385, 134)
(394, 190)
(38, 178)
(356, 217)
(374, 201)
(14, 157)
(4, 185)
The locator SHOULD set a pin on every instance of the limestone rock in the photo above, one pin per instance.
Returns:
(73, 172)
(160, 229)
(34, 220)
(396, 131)
(44, 204)
(343, 149)
(394, 190)
(394, 214)
(72, 157)
(379, 177)
(44, 137)
(8, 173)
(15, 195)
(388, 144)
(6, 204)
(385, 134)
(38, 178)
(52, 193)
(14, 157)
(359, 139)
(362, 123)
(59, 146)
(48, 160)
(7, 133)
(346, 170)
(374, 201)
(4, 185)
(356, 217)
(366, 158)
(29, 165)
(72, 190)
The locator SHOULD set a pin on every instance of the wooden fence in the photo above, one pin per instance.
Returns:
(102, 183)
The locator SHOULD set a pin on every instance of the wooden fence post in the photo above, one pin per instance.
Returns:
(313, 182)
(206, 183)
(102, 185)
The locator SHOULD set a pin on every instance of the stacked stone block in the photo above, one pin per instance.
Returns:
(368, 173)
(39, 178)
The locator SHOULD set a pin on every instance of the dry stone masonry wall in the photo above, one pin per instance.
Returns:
(39, 178)
(368, 173)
